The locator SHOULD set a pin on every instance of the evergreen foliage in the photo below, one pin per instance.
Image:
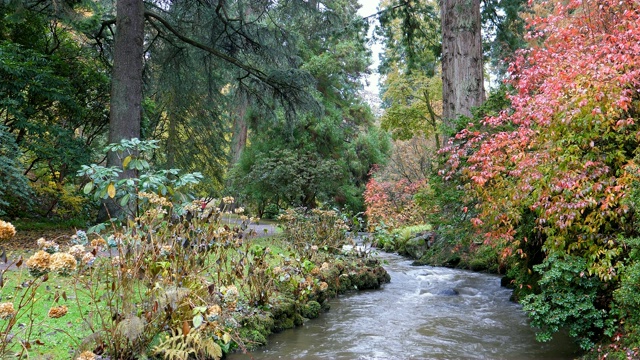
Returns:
(14, 188)
(320, 157)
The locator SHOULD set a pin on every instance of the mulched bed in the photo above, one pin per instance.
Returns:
(25, 240)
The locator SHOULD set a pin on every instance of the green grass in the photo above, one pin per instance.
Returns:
(408, 232)
(49, 338)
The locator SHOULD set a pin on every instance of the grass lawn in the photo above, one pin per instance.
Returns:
(49, 338)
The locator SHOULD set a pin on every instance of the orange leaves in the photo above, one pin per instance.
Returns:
(563, 148)
(392, 203)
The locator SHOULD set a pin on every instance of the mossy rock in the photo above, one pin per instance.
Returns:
(311, 310)
(253, 338)
(417, 247)
(325, 305)
(255, 329)
(344, 284)
(259, 320)
(284, 323)
(478, 265)
(330, 274)
(283, 311)
(283, 307)
(365, 279)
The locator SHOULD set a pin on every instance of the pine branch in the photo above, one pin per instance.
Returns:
(253, 71)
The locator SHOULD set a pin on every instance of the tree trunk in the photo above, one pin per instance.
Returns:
(239, 135)
(462, 71)
(126, 83)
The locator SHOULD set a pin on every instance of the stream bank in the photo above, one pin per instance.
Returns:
(423, 313)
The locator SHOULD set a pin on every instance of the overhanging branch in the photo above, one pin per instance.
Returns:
(253, 71)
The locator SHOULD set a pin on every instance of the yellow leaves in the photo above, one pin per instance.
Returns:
(226, 338)
(111, 190)
(126, 161)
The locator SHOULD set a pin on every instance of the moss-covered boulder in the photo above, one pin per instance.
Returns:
(255, 329)
(416, 247)
(311, 310)
(283, 311)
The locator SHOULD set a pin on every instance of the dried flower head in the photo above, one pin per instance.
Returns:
(323, 286)
(7, 230)
(82, 235)
(155, 199)
(114, 241)
(193, 206)
(230, 294)
(88, 259)
(214, 312)
(77, 251)
(49, 246)
(228, 199)
(7, 311)
(58, 311)
(87, 355)
(239, 210)
(63, 263)
(38, 263)
(165, 250)
(115, 261)
(99, 243)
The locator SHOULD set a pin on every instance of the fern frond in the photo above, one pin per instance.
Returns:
(178, 346)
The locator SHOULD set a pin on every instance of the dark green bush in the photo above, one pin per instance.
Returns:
(567, 299)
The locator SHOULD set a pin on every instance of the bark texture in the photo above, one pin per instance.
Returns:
(240, 129)
(463, 79)
(126, 86)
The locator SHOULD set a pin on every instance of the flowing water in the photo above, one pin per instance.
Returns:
(424, 313)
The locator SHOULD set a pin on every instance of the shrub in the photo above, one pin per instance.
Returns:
(568, 298)
(14, 186)
(105, 183)
(315, 230)
(392, 203)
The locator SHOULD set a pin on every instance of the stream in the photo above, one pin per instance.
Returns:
(424, 313)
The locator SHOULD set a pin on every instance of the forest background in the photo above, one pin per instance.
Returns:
(262, 101)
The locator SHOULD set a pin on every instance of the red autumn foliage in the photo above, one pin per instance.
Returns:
(392, 202)
(566, 149)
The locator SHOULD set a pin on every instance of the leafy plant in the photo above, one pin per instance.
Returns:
(165, 276)
(316, 230)
(14, 188)
(393, 203)
(105, 183)
(193, 344)
(568, 298)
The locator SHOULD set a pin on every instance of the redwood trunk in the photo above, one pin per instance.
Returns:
(462, 71)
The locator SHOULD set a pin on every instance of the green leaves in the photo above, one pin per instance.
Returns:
(88, 187)
(105, 183)
(567, 299)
